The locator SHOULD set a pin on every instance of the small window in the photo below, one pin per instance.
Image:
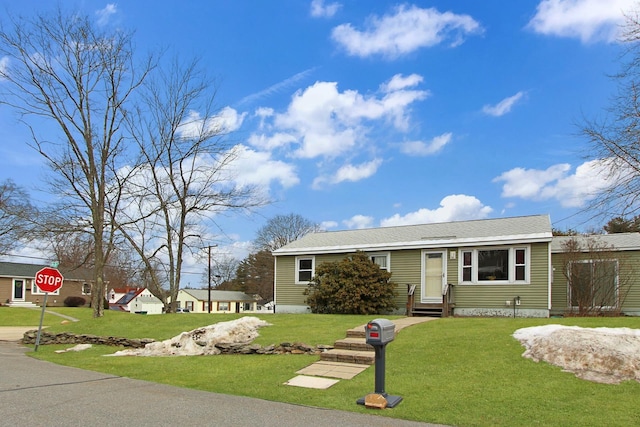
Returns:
(86, 289)
(382, 259)
(223, 306)
(304, 269)
(467, 266)
(521, 265)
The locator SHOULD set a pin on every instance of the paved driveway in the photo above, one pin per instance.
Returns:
(37, 393)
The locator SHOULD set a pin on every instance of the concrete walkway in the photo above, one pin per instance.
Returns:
(325, 373)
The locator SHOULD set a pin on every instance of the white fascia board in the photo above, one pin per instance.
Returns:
(421, 244)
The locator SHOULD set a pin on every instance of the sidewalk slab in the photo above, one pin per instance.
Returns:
(311, 382)
(344, 371)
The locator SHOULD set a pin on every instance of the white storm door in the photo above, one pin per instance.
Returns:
(433, 276)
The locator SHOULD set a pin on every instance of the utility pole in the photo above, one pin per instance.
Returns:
(209, 277)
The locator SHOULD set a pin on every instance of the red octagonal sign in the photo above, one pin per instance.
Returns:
(49, 279)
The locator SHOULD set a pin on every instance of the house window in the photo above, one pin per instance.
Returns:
(86, 289)
(223, 306)
(35, 290)
(593, 283)
(494, 265)
(188, 305)
(305, 269)
(382, 259)
(467, 265)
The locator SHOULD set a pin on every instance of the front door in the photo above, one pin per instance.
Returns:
(433, 276)
(18, 290)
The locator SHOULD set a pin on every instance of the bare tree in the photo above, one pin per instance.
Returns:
(16, 214)
(598, 276)
(75, 252)
(283, 229)
(223, 271)
(64, 70)
(614, 139)
(183, 177)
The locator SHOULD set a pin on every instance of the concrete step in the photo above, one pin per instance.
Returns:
(356, 332)
(357, 344)
(349, 356)
(22, 304)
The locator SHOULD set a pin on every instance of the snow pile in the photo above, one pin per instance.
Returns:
(604, 355)
(202, 341)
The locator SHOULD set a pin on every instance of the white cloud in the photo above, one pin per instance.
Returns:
(319, 9)
(399, 82)
(277, 88)
(588, 20)
(321, 121)
(556, 182)
(406, 30)
(504, 106)
(105, 14)
(226, 121)
(258, 168)
(421, 148)
(359, 221)
(326, 225)
(455, 207)
(350, 173)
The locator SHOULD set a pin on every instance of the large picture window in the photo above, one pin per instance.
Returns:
(494, 265)
(305, 269)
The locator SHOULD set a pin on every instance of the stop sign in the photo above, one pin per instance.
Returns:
(49, 279)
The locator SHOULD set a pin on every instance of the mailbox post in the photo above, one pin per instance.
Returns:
(379, 333)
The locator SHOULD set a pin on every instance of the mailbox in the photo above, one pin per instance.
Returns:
(380, 332)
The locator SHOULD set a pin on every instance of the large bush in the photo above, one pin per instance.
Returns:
(355, 285)
(74, 301)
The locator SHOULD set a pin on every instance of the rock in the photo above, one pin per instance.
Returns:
(374, 400)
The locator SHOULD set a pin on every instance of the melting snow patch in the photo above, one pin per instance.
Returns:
(604, 355)
(202, 341)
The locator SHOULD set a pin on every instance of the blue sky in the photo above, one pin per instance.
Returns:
(364, 114)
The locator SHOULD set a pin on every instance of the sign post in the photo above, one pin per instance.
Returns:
(48, 280)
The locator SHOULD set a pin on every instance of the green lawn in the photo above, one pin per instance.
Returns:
(463, 372)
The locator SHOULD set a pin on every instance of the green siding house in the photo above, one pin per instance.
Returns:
(496, 267)
(491, 267)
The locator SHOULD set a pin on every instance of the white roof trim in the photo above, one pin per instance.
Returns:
(421, 244)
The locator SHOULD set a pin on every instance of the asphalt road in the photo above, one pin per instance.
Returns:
(38, 393)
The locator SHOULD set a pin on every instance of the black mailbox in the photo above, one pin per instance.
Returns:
(380, 331)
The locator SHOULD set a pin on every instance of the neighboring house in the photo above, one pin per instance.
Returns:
(18, 289)
(139, 301)
(493, 267)
(608, 276)
(114, 294)
(196, 301)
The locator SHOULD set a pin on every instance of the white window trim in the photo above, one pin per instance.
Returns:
(512, 266)
(82, 290)
(35, 290)
(313, 269)
(387, 255)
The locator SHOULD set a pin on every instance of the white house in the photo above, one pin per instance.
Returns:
(140, 301)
